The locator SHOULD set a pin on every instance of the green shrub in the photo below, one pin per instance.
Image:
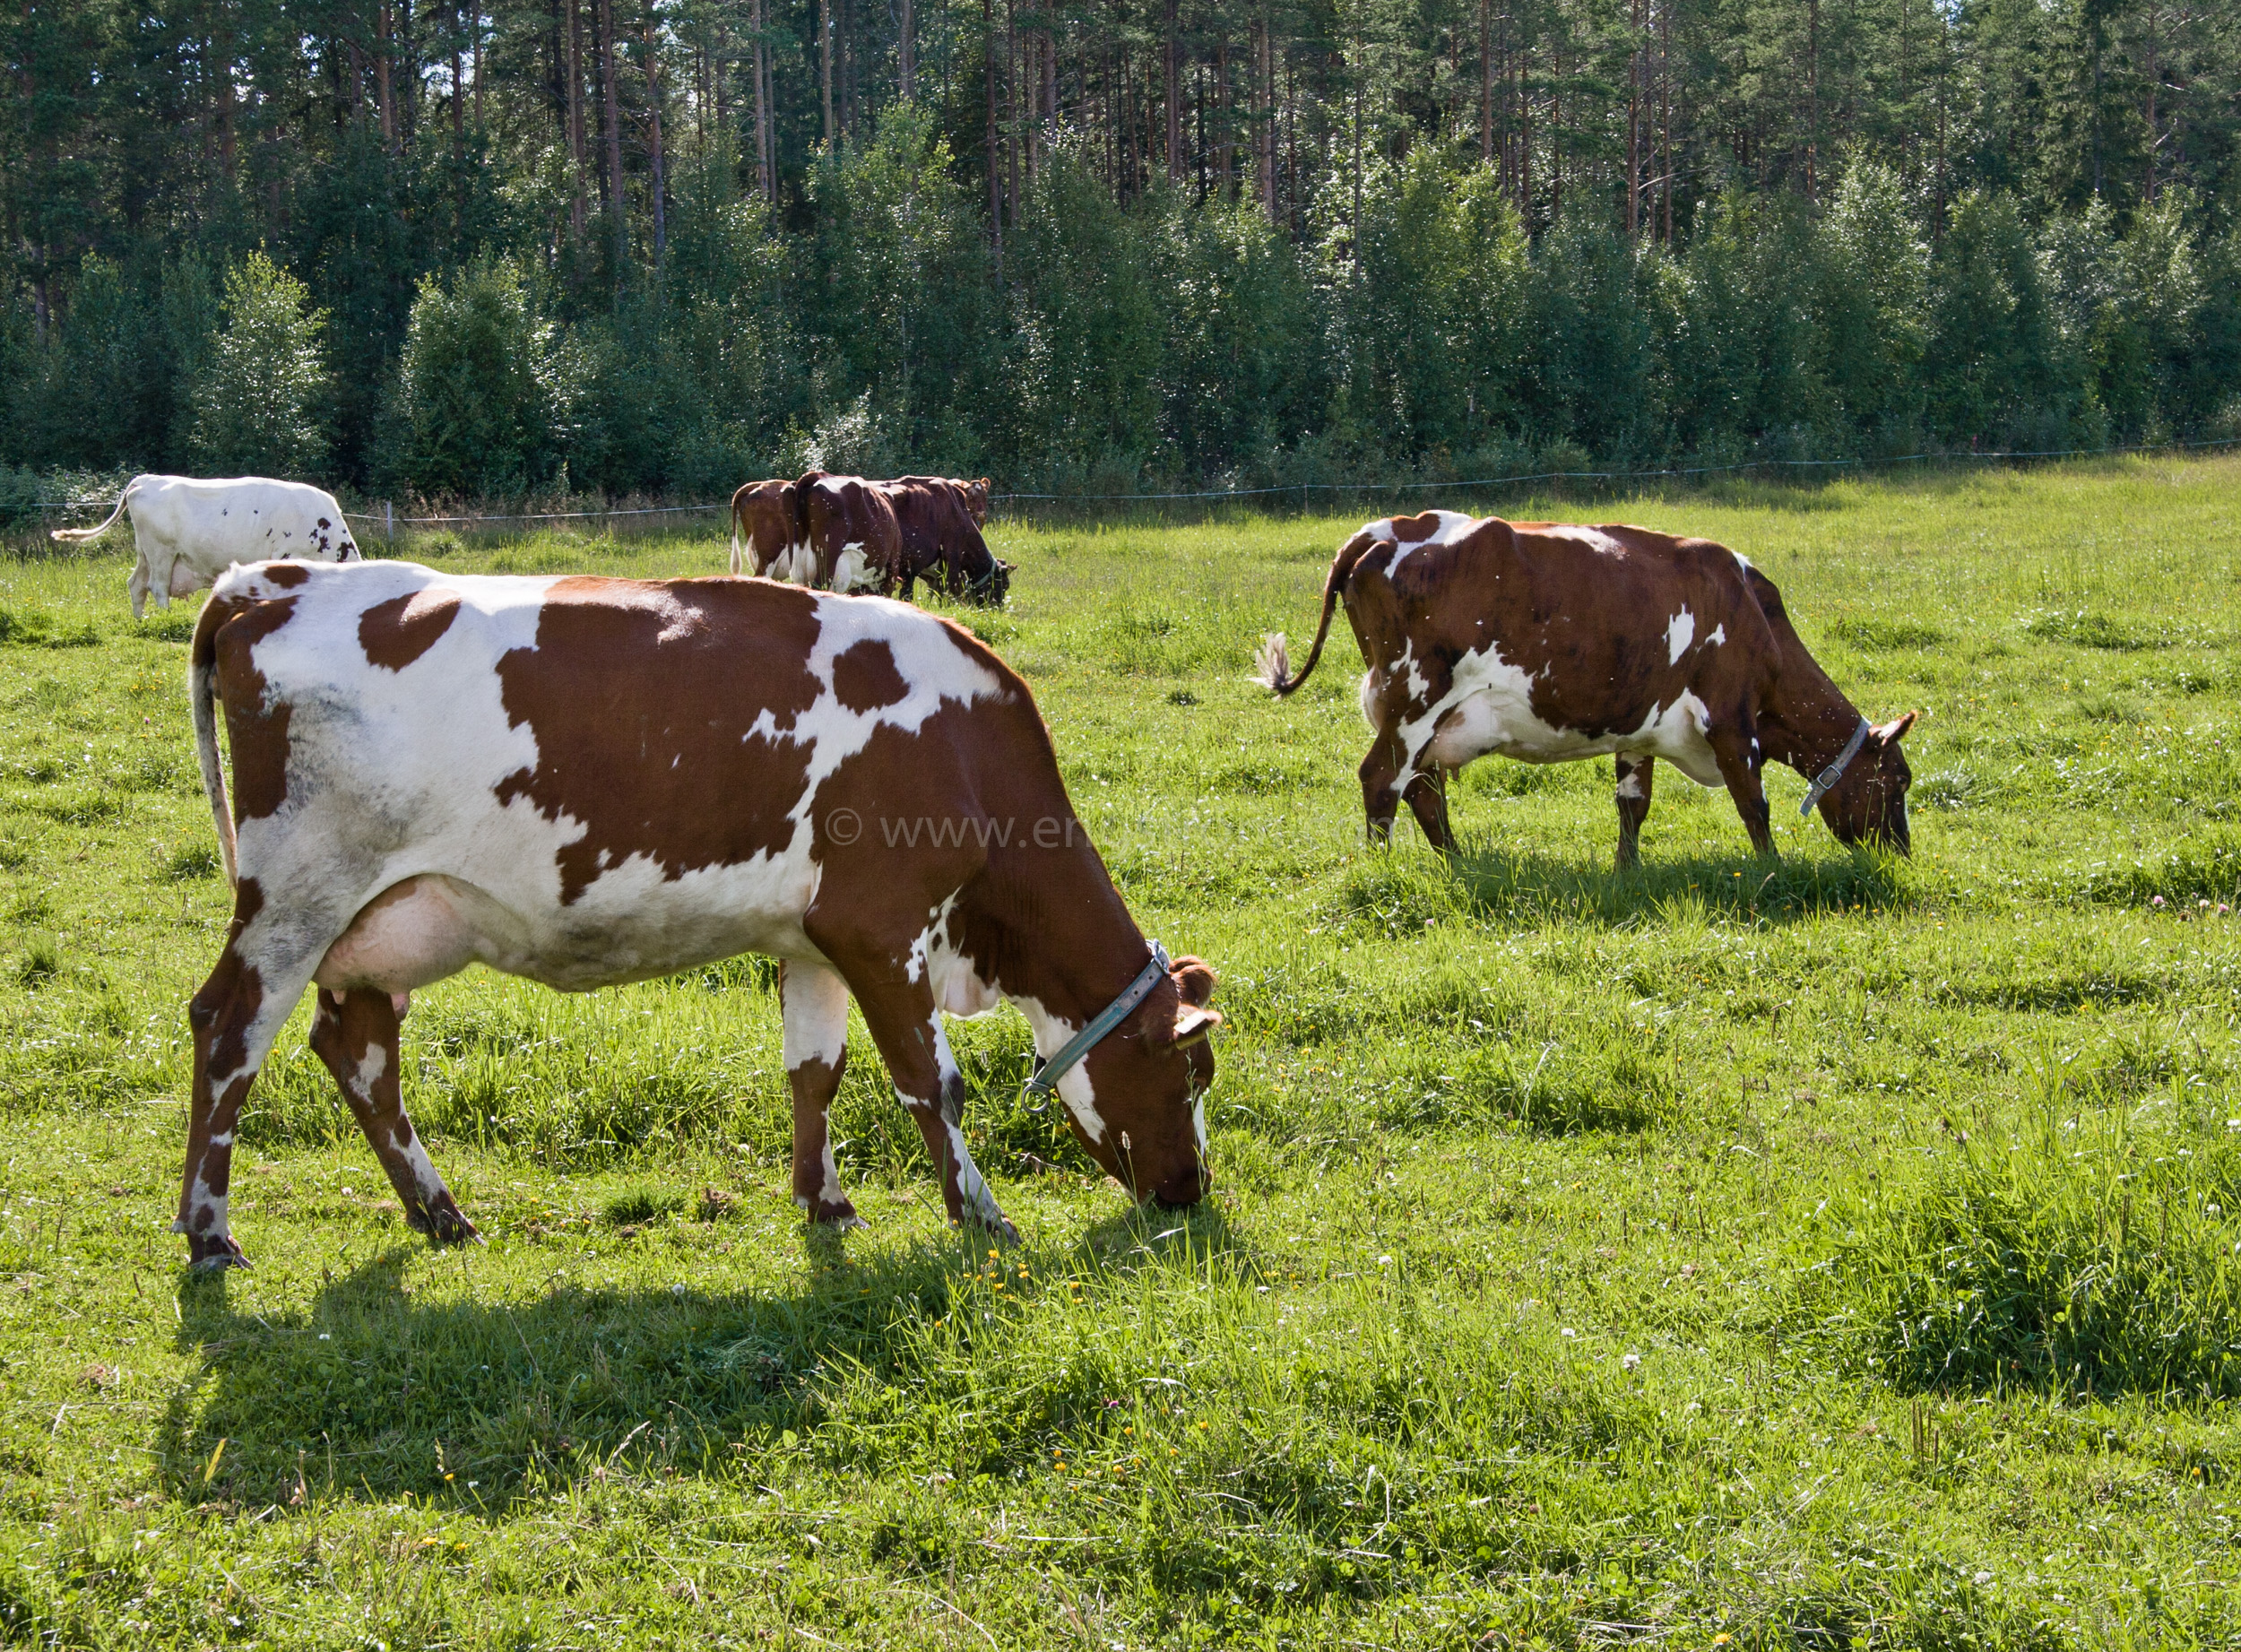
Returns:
(255, 407)
(482, 390)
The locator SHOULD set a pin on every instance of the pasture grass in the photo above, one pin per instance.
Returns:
(1834, 1253)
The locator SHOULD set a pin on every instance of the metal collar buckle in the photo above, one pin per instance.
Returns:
(1824, 782)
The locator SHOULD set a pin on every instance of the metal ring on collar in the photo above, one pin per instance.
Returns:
(1047, 1074)
(1827, 779)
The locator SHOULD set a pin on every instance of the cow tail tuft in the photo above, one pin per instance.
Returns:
(202, 696)
(1272, 666)
(738, 562)
(73, 536)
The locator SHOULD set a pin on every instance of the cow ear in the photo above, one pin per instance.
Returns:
(1193, 979)
(1893, 732)
(1192, 1023)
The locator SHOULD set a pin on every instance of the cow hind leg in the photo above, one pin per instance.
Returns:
(1427, 796)
(234, 1017)
(814, 1001)
(1634, 777)
(355, 1033)
(1381, 788)
(1741, 762)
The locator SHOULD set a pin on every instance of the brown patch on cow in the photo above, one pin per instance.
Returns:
(940, 535)
(396, 633)
(765, 518)
(257, 735)
(841, 510)
(287, 574)
(645, 720)
(864, 677)
(1414, 530)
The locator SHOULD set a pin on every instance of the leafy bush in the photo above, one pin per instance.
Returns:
(482, 392)
(255, 407)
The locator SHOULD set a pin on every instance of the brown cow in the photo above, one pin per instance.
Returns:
(941, 520)
(1551, 642)
(585, 782)
(768, 539)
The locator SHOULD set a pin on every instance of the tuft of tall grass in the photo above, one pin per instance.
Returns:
(2088, 1254)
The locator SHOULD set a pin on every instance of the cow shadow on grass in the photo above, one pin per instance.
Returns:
(1487, 882)
(390, 1381)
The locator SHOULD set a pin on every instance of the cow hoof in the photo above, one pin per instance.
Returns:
(996, 1227)
(445, 1225)
(836, 1219)
(208, 1255)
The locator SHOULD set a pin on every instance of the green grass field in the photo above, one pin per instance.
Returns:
(1846, 1253)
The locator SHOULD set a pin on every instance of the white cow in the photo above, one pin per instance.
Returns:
(189, 531)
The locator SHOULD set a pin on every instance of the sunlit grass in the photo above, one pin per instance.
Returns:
(1831, 1252)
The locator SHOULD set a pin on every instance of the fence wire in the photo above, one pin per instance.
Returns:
(388, 523)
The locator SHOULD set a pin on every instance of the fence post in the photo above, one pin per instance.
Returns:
(389, 525)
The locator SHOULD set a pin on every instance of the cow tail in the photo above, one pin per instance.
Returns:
(738, 562)
(71, 536)
(201, 697)
(1272, 666)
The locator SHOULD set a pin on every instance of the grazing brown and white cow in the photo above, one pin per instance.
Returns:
(1551, 642)
(189, 531)
(854, 540)
(585, 782)
(941, 520)
(768, 539)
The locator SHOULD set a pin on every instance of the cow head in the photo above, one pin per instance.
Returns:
(1149, 1079)
(976, 499)
(1869, 804)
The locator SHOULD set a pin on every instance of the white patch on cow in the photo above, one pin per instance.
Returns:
(1679, 633)
(426, 1182)
(1075, 1089)
(1407, 666)
(221, 1139)
(1596, 539)
(1198, 1122)
(852, 569)
(1631, 786)
(972, 1187)
(370, 1067)
(830, 1192)
(813, 1004)
(1453, 526)
(1373, 690)
(1718, 636)
(1489, 708)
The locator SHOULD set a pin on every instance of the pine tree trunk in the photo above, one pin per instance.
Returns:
(1486, 82)
(654, 154)
(612, 98)
(824, 62)
(906, 55)
(1172, 85)
(995, 170)
(578, 210)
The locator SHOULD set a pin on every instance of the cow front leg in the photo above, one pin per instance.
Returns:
(1635, 775)
(814, 1001)
(1427, 796)
(908, 1030)
(1740, 765)
(356, 1033)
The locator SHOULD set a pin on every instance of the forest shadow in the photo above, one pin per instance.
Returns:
(372, 1392)
(1488, 883)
